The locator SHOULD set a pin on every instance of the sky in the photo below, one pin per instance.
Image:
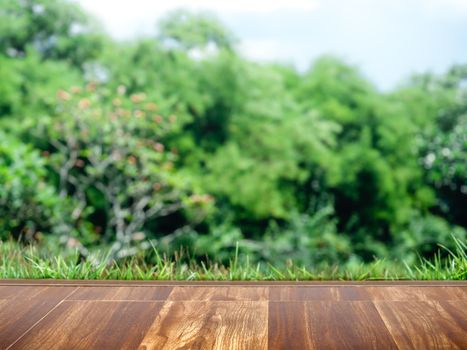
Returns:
(387, 39)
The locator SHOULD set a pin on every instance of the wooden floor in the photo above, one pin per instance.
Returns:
(215, 315)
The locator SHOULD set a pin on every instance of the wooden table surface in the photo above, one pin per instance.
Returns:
(54, 314)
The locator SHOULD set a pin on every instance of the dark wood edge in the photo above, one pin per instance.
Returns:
(105, 283)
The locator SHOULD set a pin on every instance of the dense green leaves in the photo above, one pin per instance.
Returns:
(182, 30)
(56, 29)
(27, 202)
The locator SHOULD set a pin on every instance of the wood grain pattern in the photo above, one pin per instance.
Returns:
(302, 293)
(314, 293)
(125, 293)
(405, 293)
(288, 327)
(215, 315)
(425, 324)
(327, 325)
(21, 308)
(92, 325)
(457, 311)
(362, 293)
(219, 293)
(35, 292)
(209, 325)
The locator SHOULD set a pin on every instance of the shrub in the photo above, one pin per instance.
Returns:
(108, 158)
(27, 202)
(310, 239)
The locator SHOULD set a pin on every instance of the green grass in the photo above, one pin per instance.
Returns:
(31, 262)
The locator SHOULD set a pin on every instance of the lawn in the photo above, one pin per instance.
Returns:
(34, 262)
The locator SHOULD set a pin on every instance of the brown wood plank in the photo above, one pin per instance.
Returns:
(278, 293)
(151, 315)
(9, 292)
(425, 325)
(317, 293)
(220, 293)
(209, 325)
(288, 326)
(457, 311)
(123, 293)
(6, 292)
(92, 325)
(405, 293)
(22, 307)
(35, 292)
(327, 325)
(343, 293)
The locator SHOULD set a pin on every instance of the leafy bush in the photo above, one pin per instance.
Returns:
(29, 85)
(308, 240)
(27, 202)
(107, 157)
(444, 157)
(425, 235)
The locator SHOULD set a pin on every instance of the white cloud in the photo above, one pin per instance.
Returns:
(258, 6)
(264, 6)
(124, 18)
(460, 4)
(456, 5)
(263, 49)
(389, 39)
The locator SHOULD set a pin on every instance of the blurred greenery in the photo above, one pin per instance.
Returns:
(176, 141)
(39, 262)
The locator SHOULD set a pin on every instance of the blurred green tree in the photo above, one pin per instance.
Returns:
(55, 29)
